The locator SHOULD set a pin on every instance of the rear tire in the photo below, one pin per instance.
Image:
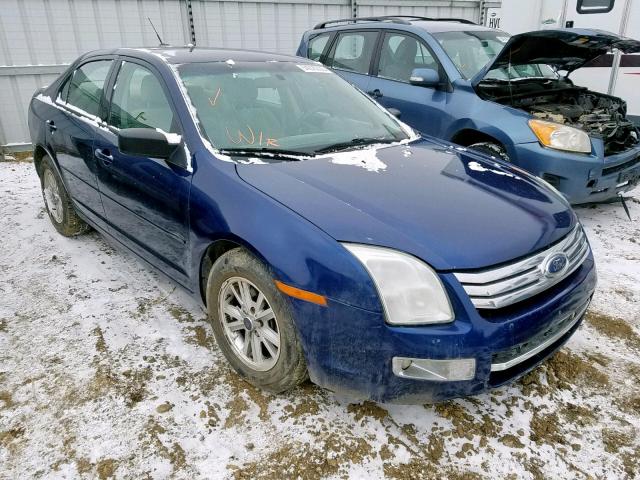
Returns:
(492, 149)
(58, 203)
(253, 324)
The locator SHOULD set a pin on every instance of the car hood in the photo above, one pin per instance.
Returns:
(566, 49)
(451, 208)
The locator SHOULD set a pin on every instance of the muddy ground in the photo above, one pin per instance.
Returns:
(109, 371)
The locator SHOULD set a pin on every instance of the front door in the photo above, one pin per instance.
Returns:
(422, 108)
(146, 200)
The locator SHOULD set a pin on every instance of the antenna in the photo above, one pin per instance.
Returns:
(162, 44)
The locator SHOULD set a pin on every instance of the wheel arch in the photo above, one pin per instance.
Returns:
(39, 152)
(214, 250)
(469, 136)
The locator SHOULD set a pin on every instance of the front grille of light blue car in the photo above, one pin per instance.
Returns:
(621, 166)
(506, 285)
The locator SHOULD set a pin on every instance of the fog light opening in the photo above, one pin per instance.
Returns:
(453, 370)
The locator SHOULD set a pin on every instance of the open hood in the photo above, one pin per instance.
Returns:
(565, 49)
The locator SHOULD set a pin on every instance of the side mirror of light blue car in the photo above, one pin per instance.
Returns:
(425, 77)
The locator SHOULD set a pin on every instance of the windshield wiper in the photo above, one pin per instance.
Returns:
(266, 153)
(356, 142)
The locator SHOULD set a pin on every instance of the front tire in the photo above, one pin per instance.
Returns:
(492, 149)
(253, 324)
(58, 203)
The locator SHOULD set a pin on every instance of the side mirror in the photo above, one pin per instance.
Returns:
(147, 142)
(425, 77)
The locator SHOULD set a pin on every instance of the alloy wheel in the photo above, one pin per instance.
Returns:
(249, 323)
(52, 196)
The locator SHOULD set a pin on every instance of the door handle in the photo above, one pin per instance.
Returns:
(105, 156)
(375, 93)
(52, 126)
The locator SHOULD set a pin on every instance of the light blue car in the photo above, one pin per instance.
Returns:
(510, 97)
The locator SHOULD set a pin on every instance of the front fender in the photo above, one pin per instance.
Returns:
(506, 124)
(223, 206)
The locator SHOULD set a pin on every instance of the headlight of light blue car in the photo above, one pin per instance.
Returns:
(561, 137)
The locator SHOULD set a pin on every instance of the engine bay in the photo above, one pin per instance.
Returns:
(562, 102)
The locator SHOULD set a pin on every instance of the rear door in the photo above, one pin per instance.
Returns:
(146, 200)
(351, 55)
(71, 129)
(425, 109)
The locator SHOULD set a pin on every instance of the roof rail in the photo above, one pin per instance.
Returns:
(431, 19)
(391, 19)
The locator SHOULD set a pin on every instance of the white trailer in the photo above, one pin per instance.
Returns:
(616, 74)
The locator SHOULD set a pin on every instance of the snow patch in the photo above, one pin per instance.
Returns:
(45, 99)
(252, 161)
(477, 167)
(172, 138)
(367, 159)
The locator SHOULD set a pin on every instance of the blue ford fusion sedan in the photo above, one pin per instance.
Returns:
(325, 238)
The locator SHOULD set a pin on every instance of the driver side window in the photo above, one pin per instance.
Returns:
(139, 101)
(400, 54)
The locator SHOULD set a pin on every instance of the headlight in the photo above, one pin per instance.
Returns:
(561, 137)
(410, 290)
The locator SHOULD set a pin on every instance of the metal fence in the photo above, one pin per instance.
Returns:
(39, 38)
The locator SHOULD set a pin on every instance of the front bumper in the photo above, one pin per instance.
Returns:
(581, 178)
(352, 351)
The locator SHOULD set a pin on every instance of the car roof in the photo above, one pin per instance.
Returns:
(188, 54)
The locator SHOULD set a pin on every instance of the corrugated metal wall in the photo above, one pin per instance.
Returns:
(38, 38)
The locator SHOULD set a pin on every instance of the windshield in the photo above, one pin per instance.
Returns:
(471, 51)
(284, 108)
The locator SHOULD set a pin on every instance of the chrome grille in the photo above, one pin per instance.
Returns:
(517, 281)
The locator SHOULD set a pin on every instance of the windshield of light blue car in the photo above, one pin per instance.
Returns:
(283, 106)
(471, 51)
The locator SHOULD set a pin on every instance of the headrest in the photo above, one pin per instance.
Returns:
(407, 50)
(151, 91)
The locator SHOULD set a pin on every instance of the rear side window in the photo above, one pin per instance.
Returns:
(85, 87)
(400, 54)
(595, 6)
(317, 45)
(352, 51)
(139, 100)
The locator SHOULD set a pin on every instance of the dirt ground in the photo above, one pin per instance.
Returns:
(109, 371)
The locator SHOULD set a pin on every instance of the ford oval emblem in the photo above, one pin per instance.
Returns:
(555, 264)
